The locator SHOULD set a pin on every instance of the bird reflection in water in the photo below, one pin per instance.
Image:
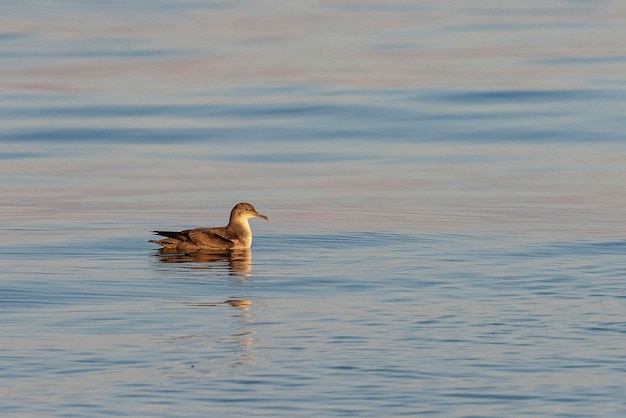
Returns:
(238, 262)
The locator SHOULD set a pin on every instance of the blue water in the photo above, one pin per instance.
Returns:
(445, 192)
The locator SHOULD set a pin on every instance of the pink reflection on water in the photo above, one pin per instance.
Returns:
(397, 45)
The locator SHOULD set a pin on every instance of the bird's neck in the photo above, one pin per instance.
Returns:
(240, 228)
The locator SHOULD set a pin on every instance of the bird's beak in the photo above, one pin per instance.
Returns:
(258, 215)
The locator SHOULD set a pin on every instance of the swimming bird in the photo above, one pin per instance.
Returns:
(234, 236)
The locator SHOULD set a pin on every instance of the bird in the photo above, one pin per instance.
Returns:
(234, 236)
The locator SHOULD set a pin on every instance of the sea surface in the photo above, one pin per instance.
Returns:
(445, 184)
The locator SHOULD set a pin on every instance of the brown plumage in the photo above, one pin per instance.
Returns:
(234, 236)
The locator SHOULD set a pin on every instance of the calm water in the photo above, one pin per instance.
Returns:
(445, 185)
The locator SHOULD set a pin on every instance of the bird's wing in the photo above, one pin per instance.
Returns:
(209, 237)
(181, 236)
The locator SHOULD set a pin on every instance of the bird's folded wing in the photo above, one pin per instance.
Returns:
(209, 237)
(181, 236)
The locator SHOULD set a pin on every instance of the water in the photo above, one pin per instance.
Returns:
(445, 188)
